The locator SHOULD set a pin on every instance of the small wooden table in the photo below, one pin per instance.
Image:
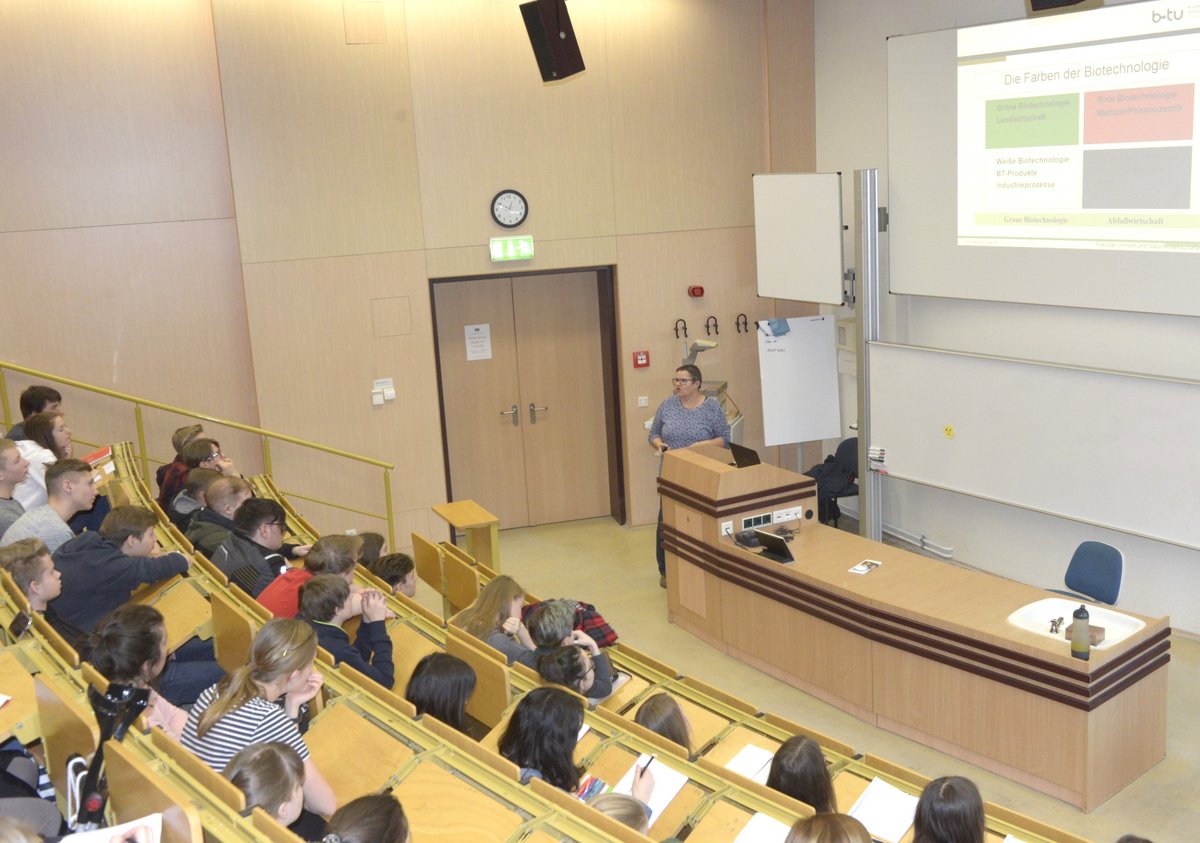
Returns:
(481, 527)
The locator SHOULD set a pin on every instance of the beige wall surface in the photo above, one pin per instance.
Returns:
(338, 155)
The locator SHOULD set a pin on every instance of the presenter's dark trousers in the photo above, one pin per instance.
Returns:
(659, 552)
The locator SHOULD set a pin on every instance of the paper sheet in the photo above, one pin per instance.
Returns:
(753, 762)
(763, 829)
(104, 835)
(886, 811)
(667, 784)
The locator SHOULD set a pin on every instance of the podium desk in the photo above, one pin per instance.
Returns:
(917, 646)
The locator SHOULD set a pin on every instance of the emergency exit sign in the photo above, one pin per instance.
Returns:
(511, 248)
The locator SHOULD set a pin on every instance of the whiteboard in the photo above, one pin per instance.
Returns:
(798, 236)
(1111, 449)
(799, 381)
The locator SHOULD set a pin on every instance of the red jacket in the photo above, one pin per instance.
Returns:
(282, 596)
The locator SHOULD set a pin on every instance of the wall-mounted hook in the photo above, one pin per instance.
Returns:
(678, 323)
(711, 322)
(742, 323)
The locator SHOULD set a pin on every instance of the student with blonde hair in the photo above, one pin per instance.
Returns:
(661, 714)
(624, 809)
(828, 828)
(272, 777)
(263, 701)
(495, 618)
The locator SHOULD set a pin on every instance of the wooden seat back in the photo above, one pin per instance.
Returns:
(136, 790)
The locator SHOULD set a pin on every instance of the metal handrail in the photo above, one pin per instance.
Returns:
(265, 436)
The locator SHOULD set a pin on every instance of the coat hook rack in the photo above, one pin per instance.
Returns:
(711, 322)
(678, 323)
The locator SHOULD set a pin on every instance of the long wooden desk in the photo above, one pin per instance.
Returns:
(919, 647)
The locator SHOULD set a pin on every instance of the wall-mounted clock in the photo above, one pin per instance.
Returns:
(509, 208)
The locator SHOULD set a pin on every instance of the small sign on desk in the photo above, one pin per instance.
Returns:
(865, 567)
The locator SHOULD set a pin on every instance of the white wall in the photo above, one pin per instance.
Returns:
(851, 75)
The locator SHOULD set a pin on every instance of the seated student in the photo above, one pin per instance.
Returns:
(129, 647)
(625, 809)
(265, 700)
(38, 398)
(950, 810)
(254, 554)
(541, 735)
(100, 570)
(377, 818)
(272, 777)
(374, 546)
(202, 452)
(495, 618)
(584, 618)
(440, 685)
(47, 440)
(661, 714)
(582, 668)
(550, 625)
(828, 828)
(397, 570)
(13, 470)
(191, 498)
(170, 476)
(212, 525)
(799, 770)
(72, 489)
(333, 554)
(325, 603)
(31, 567)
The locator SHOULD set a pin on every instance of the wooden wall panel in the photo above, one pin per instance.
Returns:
(503, 127)
(653, 274)
(321, 141)
(791, 85)
(687, 105)
(112, 114)
(316, 354)
(153, 310)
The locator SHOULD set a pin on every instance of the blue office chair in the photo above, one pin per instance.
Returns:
(1096, 571)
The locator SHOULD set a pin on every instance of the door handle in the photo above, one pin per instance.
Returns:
(534, 410)
(516, 417)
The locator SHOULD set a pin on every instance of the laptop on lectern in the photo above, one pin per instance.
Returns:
(744, 457)
(774, 547)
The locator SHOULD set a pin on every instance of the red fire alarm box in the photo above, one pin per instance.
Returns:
(641, 359)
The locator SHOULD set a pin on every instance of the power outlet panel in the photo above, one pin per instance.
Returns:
(757, 521)
(727, 528)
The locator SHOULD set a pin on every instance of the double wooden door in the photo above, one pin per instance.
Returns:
(524, 408)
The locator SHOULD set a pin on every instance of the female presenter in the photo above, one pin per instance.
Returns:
(685, 419)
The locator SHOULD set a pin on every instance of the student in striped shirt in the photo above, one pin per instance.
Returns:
(261, 702)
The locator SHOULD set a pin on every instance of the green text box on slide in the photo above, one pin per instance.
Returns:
(1033, 121)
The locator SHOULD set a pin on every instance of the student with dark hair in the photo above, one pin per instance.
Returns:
(397, 570)
(828, 828)
(799, 770)
(263, 701)
(582, 668)
(950, 810)
(661, 714)
(334, 554)
(377, 818)
(71, 485)
(325, 604)
(191, 497)
(440, 686)
(202, 452)
(47, 440)
(170, 476)
(13, 470)
(254, 554)
(212, 525)
(373, 547)
(541, 735)
(271, 775)
(129, 647)
(38, 398)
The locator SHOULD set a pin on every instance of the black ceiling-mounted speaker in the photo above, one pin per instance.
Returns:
(553, 39)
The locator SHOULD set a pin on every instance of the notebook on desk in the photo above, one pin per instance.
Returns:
(774, 547)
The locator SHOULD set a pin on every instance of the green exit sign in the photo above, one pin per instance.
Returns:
(511, 248)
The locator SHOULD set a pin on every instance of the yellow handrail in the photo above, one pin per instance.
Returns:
(265, 436)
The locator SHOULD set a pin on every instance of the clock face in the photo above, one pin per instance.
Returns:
(509, 208)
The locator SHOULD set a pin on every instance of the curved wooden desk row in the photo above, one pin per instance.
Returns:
(916, 646)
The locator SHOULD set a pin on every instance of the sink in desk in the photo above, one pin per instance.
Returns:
(1036, 617)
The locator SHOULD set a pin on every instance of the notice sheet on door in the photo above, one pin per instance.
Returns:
(479, 341)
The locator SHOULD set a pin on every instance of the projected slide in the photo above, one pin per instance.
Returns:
(1087, 144)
